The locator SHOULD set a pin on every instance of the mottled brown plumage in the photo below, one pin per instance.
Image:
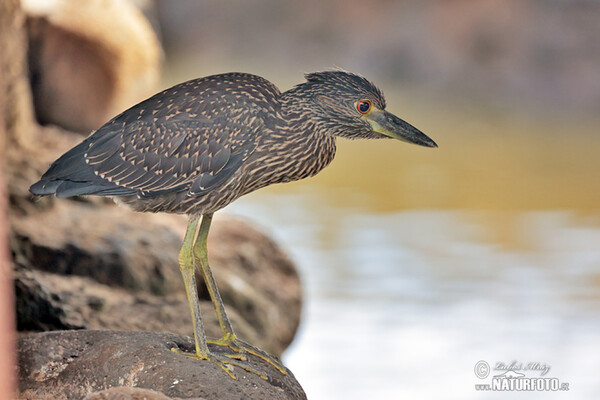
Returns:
(199, 145)
(196, 147)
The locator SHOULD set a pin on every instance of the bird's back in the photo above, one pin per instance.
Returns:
(190, 139)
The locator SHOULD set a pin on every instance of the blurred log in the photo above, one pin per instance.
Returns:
(13, 117)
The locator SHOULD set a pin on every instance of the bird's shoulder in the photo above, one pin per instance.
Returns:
(224, 95)
(228, 107)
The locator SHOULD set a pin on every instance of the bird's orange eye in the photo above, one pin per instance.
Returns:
(363, 106)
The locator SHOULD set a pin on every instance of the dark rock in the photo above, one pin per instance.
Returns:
(134, 258)
(110, 244)
(75, 364)
(38, 308)
(124, 310)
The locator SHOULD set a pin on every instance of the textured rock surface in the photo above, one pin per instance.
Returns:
(107, 243)
(129, 393)
(72, 302)
(105, 267)
(75, 364)
(39, 309)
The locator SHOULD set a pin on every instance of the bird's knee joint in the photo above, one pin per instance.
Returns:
(201, 255)
(186, 261)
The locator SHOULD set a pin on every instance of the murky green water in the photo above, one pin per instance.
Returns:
(419, 263)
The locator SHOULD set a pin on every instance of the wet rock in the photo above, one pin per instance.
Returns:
(75, 364)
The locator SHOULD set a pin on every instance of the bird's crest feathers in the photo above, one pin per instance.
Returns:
(345, 80)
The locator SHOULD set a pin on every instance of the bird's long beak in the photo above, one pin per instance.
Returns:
(389, 125)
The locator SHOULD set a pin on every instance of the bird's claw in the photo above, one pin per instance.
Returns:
(224, 361)
(242, 348)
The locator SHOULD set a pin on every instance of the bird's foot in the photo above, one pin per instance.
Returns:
(224, 361)
(242, 348)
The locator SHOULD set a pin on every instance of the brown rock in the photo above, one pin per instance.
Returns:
(104, 307)
(75, 364)
(89, 60)
(39, 309)
(110, 244)
(117, 269)
(129, 393)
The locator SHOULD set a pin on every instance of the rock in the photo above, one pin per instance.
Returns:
(117, 269)
(128, 393)
(134, 257)
(89, 60)
(110, 244)
(75, 364)
(38, 309)
(119, 309)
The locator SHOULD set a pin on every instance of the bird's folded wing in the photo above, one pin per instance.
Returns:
(161, 156)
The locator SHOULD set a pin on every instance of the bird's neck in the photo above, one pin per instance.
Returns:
(299, 119)
(297, 133)
(298, 113)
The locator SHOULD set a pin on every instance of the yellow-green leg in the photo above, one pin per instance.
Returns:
(186, 265)
(229, 338)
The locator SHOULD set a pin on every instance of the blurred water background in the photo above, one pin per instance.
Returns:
(418, 263)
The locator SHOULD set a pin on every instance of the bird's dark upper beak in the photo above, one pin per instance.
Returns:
(389, 125)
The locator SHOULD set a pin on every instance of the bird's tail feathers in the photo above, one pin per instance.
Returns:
(71, 176)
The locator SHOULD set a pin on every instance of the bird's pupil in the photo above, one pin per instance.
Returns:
(364, 106)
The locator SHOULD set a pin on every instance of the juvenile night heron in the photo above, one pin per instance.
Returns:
(196, 147)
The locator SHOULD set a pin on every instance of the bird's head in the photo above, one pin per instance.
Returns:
(348, 105)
